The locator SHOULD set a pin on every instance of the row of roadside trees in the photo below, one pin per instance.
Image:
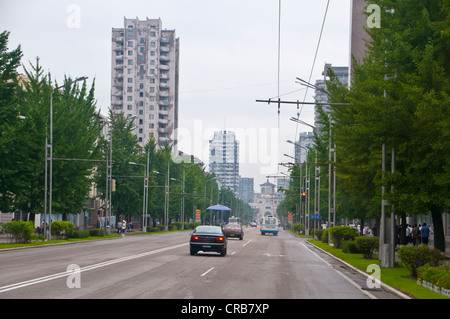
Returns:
(77, 135)
(399, 97)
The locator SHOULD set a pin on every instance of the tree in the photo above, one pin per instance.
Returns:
(76, 130)
(127, 198)
(400, 97)
(9, 122)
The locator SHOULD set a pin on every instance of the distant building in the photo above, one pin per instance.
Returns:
(305, 140)
(144, 78)
(246, 189)
(341, 73)
(358, 34)
(282, 183)
(224, 159)
(266, 202)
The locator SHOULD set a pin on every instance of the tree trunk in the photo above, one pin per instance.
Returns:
(403, 230)
(438, 228)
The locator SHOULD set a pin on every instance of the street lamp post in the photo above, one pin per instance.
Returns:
(182, 200)
(307, 184)
(144, 203)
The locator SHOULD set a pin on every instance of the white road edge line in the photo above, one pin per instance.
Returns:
(342, 275)
(206, 272)
(68, 273)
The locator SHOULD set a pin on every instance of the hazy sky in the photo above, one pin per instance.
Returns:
(228, 59)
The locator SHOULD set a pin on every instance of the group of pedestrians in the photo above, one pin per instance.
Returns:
(415, 235)
(123, 226)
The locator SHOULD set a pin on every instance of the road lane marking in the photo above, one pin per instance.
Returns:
(206, 272)
(341, 274)
(247, 243)
(95, 266)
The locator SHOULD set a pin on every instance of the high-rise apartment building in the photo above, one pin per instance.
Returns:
(144, 78)
(246, 189)
(305, 140)
(341, 73)
(224, 159)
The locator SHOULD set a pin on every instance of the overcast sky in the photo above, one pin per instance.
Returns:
(228, 59)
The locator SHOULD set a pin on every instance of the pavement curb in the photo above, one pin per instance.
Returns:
(384, 285)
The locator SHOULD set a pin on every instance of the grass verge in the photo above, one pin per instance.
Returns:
(397, 277)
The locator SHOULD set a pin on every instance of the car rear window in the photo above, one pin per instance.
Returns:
(208, 229)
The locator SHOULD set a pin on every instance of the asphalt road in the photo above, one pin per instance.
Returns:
(159, 267)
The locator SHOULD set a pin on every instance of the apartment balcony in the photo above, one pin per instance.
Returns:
(164, 95)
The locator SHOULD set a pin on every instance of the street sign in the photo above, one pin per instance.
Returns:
(197, 215)
(315, 217)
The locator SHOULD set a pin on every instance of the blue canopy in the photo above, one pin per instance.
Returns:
(218, 207)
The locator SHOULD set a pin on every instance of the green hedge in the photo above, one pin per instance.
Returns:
(341, 233)
(349, 247)
(62, 229)
(367, 245)
(79, 234)
(97, 232)
(20, 231)
(416, 257)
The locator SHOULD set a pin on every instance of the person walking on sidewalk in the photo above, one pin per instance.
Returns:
(425, 233)
(124, 227)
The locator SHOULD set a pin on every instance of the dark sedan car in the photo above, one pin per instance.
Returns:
(208, 238)
(234, 230)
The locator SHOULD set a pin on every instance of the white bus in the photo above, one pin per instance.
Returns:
(269, 225)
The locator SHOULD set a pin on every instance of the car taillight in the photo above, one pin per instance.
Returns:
(194, 237)
(219, 238)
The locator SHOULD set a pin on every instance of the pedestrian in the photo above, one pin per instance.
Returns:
(119, 227)
(408, 234)
(419, 238)
(397, 235)
(415, 235)
(124, 227)
(425, 233)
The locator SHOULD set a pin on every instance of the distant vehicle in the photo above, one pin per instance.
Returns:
(208, 238)
(234, 220)
(253, 224)
(269, 225)
(234, 230)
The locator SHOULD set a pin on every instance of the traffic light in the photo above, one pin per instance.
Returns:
(303, 196)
